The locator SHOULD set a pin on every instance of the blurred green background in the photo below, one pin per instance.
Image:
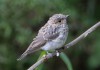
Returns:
(20, 21)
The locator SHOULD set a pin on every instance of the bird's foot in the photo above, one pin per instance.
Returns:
(57, 53)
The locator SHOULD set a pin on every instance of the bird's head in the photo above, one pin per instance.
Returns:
(58, 19)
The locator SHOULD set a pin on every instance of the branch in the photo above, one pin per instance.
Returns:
(50, 55)
(82, 36)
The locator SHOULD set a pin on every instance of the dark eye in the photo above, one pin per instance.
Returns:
(59, 21)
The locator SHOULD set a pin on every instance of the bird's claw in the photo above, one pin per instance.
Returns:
(57, 53)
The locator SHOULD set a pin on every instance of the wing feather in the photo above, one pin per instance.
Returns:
(45, 33)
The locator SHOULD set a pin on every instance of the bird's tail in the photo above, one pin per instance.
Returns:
(22, 56)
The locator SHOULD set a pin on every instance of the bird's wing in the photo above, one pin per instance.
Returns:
(46, 33)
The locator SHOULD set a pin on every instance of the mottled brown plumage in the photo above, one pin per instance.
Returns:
(51, 36)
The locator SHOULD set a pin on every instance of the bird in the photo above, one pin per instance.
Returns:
(50, 37)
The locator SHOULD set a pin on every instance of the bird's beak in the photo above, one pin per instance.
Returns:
(67, 16)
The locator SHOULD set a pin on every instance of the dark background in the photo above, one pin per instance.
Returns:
(20, 21)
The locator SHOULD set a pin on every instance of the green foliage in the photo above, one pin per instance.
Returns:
(40, 67)
(66, 60)
(20, 20)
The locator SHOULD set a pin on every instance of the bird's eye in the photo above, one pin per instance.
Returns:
(59, 21)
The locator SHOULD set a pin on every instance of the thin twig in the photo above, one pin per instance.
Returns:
(82, 36)
(44, 58)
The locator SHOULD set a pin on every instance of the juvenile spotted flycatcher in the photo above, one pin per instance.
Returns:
(51, 36)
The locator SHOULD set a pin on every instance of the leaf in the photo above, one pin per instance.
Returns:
(66, 60)
(40, 67)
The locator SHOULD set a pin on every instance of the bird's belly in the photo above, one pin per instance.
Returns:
(54, 44)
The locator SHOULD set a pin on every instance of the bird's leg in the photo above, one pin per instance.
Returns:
(57, 53)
